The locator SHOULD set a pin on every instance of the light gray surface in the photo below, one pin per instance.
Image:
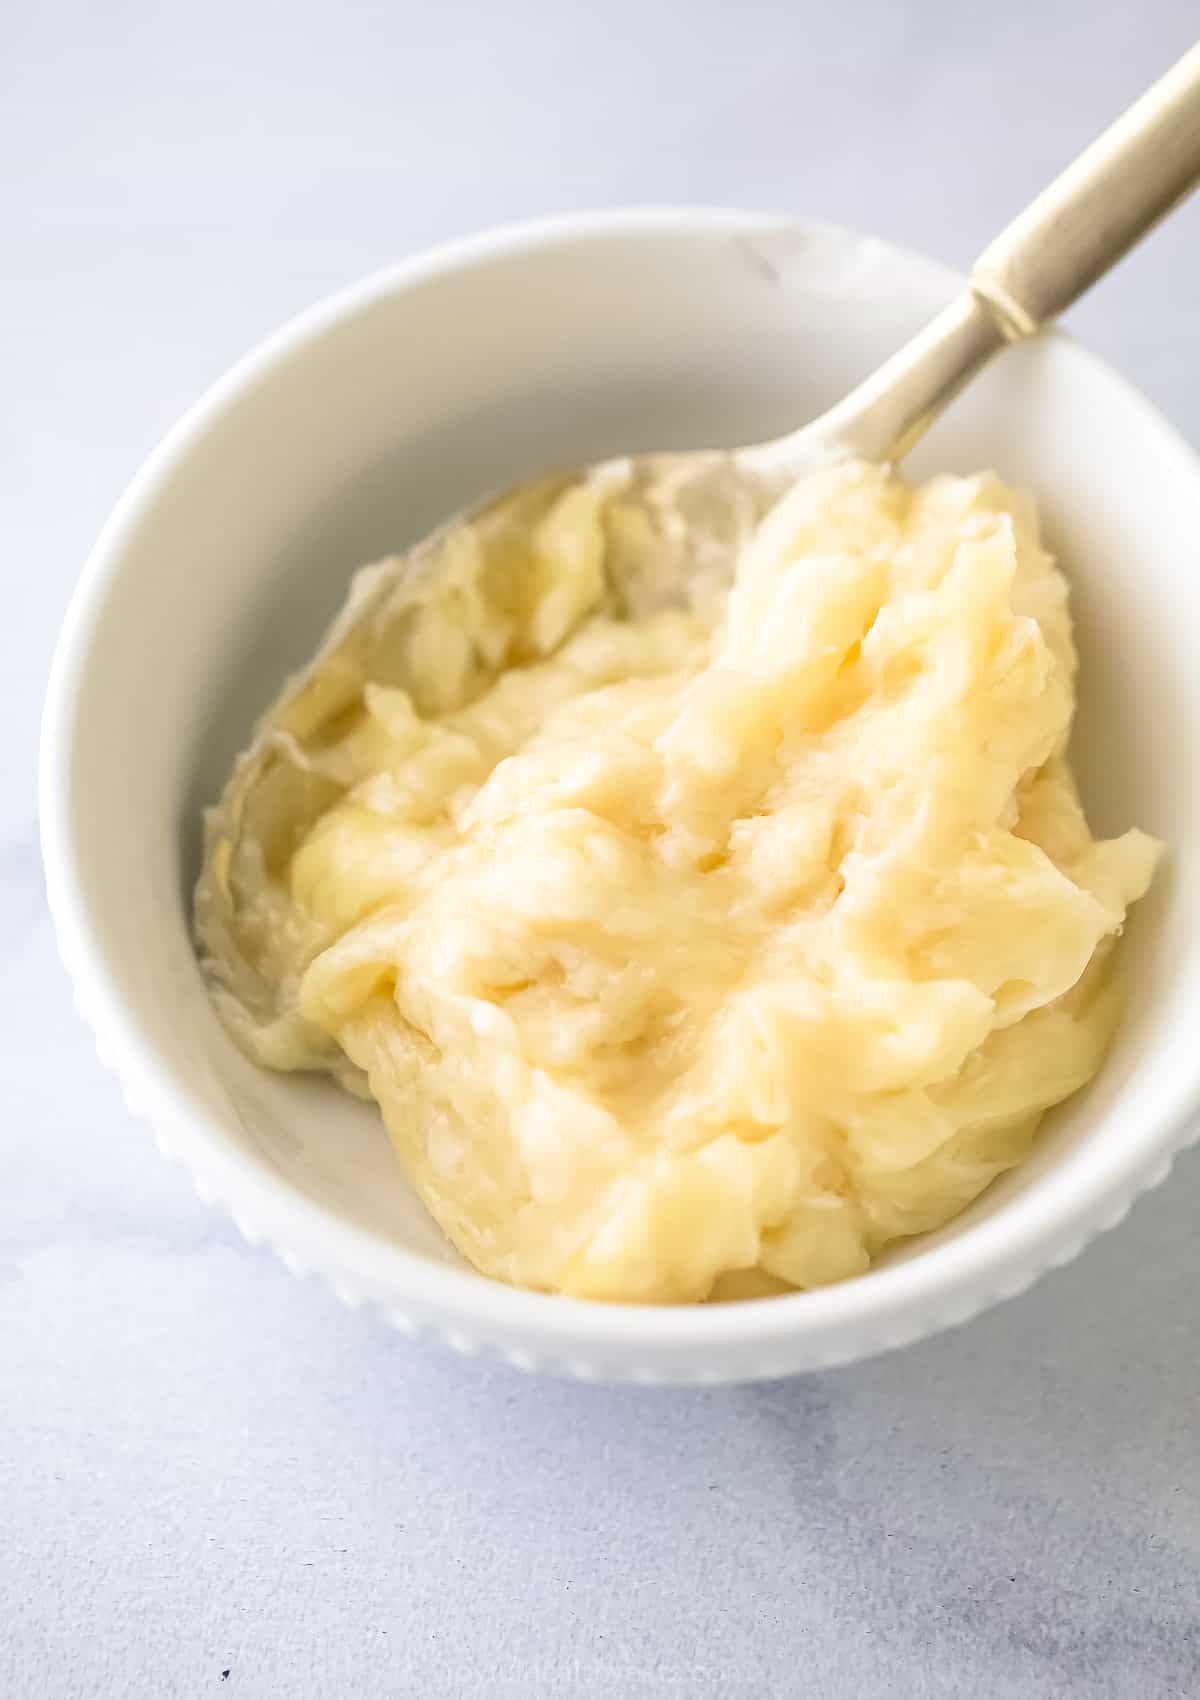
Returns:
(207, 1466)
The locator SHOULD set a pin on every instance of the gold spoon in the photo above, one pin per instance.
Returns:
(700, 506)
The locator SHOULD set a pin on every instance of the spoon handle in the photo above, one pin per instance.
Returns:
(1094, 212)
(1075, 231)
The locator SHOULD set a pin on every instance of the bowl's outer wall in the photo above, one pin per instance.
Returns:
(358, 429)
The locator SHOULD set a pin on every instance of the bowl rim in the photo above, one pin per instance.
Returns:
(889, 1305)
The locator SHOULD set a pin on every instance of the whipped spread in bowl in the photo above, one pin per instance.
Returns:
(706, 907)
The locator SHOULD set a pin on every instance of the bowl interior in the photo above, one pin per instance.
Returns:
(359, 431)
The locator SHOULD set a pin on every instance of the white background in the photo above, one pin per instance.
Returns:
(207, 1466)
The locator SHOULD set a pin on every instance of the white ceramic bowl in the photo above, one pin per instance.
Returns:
(369, 419)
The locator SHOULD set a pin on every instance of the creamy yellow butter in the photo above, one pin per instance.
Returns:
(707, 950)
